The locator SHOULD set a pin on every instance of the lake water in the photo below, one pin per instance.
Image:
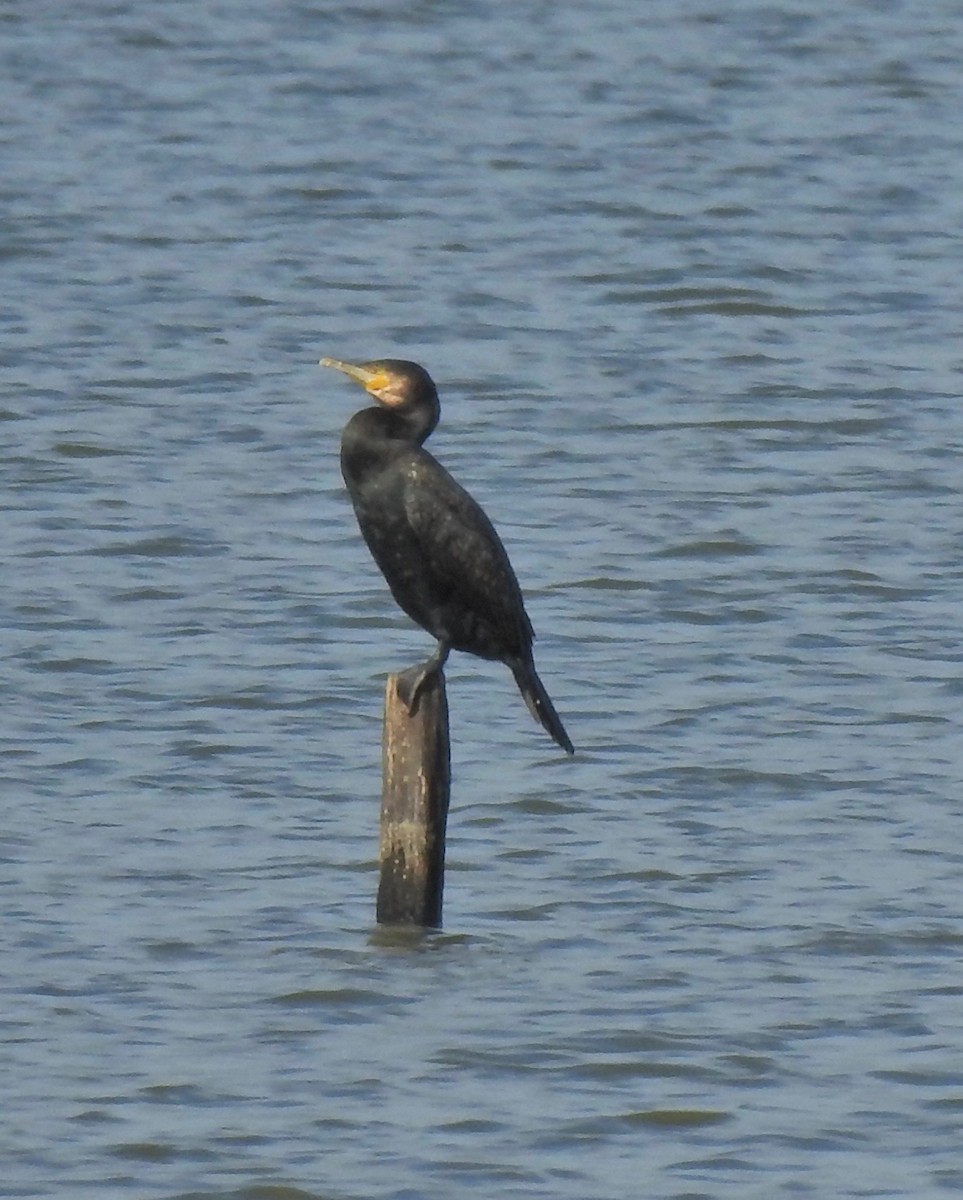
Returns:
(689, 278)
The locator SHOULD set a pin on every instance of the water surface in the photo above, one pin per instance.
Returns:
(688, 279)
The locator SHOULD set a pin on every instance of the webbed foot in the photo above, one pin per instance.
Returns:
(411, 683)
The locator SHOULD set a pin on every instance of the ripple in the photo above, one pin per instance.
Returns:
(162, 546)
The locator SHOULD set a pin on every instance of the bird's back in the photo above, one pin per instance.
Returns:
(472, 580)
(440, 554)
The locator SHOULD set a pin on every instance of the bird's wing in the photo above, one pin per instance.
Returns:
(462, 552)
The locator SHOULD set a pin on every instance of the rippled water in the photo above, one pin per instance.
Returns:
(688, 276)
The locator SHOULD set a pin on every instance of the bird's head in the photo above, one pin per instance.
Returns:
(393, 382)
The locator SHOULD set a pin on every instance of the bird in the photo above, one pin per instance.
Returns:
(439, 553)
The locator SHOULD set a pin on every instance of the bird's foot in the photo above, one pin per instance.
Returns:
(411, 683)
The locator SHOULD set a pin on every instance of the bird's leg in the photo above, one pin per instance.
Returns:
(412, 681)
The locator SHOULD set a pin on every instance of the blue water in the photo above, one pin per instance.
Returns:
(688, 278)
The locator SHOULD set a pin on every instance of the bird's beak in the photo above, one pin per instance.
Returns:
(371, 380)
(360, 373)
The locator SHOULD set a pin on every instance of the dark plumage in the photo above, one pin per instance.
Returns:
(440, 554)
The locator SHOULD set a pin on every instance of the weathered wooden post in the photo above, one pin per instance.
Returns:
(416, 770)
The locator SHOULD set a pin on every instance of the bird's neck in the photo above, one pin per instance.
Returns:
(415, 423)
(374, 438)
(409, 425)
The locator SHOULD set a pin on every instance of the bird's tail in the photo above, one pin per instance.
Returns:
(539, 705)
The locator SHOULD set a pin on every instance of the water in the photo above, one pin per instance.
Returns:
(688, 277)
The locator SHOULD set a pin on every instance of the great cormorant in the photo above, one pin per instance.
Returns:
(443, 560)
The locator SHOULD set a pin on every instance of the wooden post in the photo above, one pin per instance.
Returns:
(414, 806)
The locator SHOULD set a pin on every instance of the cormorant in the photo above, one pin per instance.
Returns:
(443, 560)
